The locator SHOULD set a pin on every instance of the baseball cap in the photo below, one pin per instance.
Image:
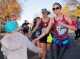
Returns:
(44, 10)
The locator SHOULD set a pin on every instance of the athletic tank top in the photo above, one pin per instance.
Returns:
(44, 24)
(60, 32)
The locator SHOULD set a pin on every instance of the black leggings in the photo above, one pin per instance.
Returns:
(59, 52)
(77, 33)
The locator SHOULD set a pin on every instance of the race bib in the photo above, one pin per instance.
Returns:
(43, 29)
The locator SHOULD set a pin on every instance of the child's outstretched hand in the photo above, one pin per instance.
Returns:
(34, 41)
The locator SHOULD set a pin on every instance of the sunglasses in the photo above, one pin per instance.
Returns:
(56, 8)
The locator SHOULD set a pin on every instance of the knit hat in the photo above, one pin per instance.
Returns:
(11, 26)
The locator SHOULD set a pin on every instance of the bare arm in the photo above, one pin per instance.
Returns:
(35, 28)
(46, 30)
(70, 22)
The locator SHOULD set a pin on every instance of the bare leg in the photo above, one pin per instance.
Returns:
(43, 52)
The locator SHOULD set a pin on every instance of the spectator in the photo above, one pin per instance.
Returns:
(25, 27)
(77, 32)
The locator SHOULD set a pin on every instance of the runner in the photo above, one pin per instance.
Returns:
(61, 24)
(38, 31)
(43, 23)
(45, 46)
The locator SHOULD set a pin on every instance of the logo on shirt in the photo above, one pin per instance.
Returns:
(61, 29)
